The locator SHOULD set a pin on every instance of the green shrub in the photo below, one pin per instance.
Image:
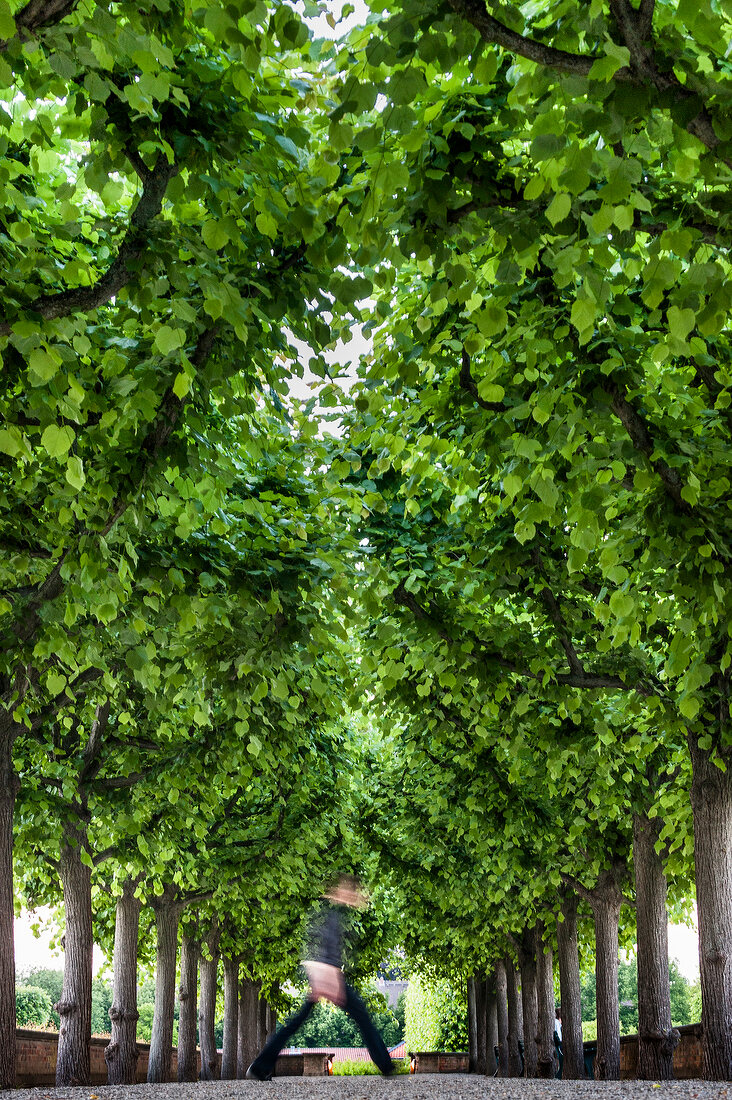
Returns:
(436, 1016)
(589, 1031)
(32, 1006)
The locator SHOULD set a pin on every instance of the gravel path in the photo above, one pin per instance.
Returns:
(443, 1086)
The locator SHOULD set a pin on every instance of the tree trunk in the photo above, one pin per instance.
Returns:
(573, 1068)
(8, 791)
(207, 1015)
(527, 964)
(514, 1057)
(271, 1012)
(231, 1018)
(491, 1025)
(472, 1027)
(188, 1017)
(657, 1038)
(167, 913)
(711, 800)
(606, 901)
(73, 1063)
(480, 990)
(262, 1022)
(248, 1025)
(502, 1016)
(121, 1053)
(544, 1006)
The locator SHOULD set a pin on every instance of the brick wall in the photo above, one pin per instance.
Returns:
(36, 1051)
(687, 1056)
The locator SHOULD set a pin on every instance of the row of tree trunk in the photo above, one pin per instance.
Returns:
(515, 1002)
(248, 1018)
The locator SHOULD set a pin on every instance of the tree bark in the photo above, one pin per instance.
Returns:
(261, 1021)
(573, 1068)
(472, 1027)
(657, 1038)
(527, 965)
(8, 791)
(247, 1048)
(121, 1053)
(606, 900)
(207, 1015)
(711, 801)
(502, 1016)
(73, 1063)
(231, 1018)
(167, 913)
(188, 1001)
(544, 1006)
(491, 1025)
(271, 1012)
(480, 989)
(514, 1057)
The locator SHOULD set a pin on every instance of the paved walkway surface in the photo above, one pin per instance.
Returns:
(437, 1086)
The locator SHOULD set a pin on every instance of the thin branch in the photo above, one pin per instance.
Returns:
(555, 614)
(588, 895)
(20, 546)
(65, 697)
(120, 782)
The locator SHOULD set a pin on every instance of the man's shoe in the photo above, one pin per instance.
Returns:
(252, 1075)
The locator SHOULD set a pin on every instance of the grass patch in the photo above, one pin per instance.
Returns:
(363, 1069)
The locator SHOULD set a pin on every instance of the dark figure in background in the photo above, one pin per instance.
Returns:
(323, 968)
(558, 1048)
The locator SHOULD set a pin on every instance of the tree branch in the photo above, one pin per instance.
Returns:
(90, 757)
(577, 886)
(36, 15)
(67, 696)
(119, 273)
(468, 384)
(645, 18)
(120, 782)
(557, 618)
(580, 679)
(642, 70)
(643, 441)
(491, 30)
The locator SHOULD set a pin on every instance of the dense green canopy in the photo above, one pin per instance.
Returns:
(454, 614)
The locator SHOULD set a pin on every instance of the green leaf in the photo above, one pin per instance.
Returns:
(168, 340)
(57, 440)
(680, 322)
(490, 391)
(267, 225)
(43, 364)
(75, 472)
(583, 314)
(215, 234)
(7, 23)
(559, 207)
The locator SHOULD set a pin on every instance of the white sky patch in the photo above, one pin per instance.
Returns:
(36, 951)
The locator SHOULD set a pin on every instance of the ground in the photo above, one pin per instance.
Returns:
(445, 1086)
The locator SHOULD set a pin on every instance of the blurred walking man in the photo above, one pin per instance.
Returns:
(325, 976)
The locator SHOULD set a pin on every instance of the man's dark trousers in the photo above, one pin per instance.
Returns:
(264, 1064)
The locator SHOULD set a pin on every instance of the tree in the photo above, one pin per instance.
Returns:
(32, 1006)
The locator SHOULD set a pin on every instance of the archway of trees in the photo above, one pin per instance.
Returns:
(455, 615)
